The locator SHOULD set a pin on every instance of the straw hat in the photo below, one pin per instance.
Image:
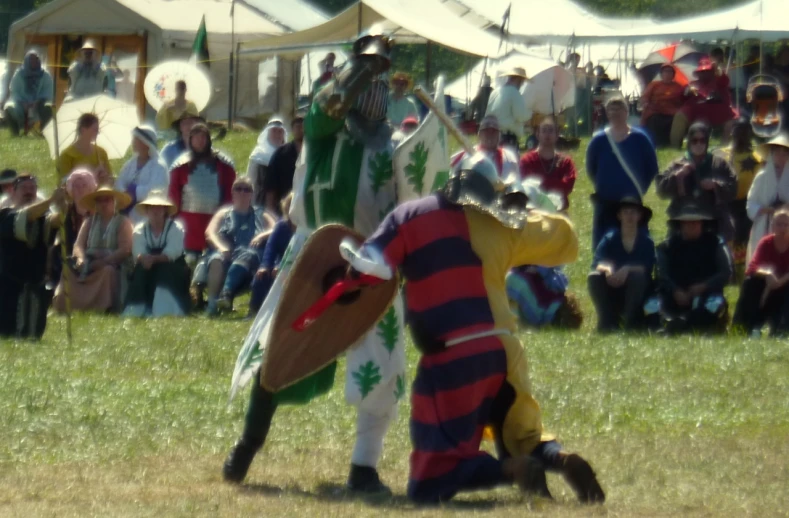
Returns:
(515, 72)
(189, 113)
(402, 76)
(780, 140)
(122, 200)
(157, 199)
(89, 45)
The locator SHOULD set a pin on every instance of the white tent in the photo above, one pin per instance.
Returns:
(758, 19)
(145, 32)
(409, 21)
(541, 22)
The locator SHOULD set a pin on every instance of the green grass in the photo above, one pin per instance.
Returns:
(132, 418)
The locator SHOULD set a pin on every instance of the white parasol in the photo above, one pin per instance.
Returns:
(159, 85)
(116, 121)
(550, 91)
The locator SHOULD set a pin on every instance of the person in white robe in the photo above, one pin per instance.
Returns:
(144, 172)
(770, 190)
(270, 139)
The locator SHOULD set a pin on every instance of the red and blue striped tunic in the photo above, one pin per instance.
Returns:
(429, 240)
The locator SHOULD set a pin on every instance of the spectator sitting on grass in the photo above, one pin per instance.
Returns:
(234, 235)
(160, 282)
(622, 269)
(764, 296)
(693, 266)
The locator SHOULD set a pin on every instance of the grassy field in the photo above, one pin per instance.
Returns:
(132, 418)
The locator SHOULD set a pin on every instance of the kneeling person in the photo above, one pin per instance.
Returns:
(472, 369)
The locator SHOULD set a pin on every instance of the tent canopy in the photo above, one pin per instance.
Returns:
(758, 19)
(435, 22)
(540, 22)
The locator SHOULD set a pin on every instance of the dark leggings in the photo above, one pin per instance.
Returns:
(750, 314)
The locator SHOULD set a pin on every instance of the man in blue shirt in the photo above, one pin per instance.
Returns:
(175, 148)
(621, 162)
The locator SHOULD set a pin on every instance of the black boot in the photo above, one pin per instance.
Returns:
(238, 461)
(582, 479)
(364, 479)
(260, 412)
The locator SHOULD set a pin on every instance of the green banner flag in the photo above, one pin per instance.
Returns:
(200, 46)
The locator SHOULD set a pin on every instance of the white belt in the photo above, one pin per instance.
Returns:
(474, 336)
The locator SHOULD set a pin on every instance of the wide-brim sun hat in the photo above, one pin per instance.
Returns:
(690, 212)
(122, 200)
(631, 201)
(157, 199)
(89, 45)
(188, 113)
(515, 72)
(780, 140)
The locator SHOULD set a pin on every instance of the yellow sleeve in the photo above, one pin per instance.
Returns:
(162, 119)
(65, 165)
(104, 160)
(546, 240)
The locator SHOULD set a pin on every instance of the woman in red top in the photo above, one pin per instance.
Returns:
(764, 296)
(555, 170)
(660, 101)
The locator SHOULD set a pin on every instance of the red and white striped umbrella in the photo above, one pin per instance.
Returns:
(683, 57)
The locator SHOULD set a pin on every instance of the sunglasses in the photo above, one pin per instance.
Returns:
(243, 189)
(104, 199)
(698, 141)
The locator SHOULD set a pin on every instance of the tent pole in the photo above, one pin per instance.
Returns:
(427, 64)
(237, 82)
(231, 67)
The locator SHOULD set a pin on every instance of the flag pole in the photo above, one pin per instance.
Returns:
(62, 235)
(231, 69)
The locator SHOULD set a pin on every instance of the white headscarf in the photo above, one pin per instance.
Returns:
(264, 148)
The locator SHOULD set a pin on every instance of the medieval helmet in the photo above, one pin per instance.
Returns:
(373, 42)
(475, 183)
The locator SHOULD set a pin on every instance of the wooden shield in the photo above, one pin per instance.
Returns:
(291, 355)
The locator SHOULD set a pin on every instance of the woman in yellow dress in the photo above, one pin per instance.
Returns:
(85, 152)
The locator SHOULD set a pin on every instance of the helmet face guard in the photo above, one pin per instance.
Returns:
(373, 102)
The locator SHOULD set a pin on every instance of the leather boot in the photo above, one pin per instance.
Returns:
(239, 459)
(364, 479)
(582, 479)
(529, 474)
